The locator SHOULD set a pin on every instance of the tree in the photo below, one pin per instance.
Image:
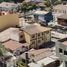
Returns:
(2, 50)
(27, 7)
(1, 1)
(47, 3)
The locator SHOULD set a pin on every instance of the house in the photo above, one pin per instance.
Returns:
(47, 62)
(60, 9)
(61, 51)
(12, 34)
(36, 35)
(37, 54)
(7, 6)
(10, 20)
(15, 47)
(42, 17)
(62, 19)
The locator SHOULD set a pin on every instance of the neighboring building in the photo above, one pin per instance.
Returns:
(15, 47)
(8, 61)
(36, 35)
(6, 6)
(10, 20)
(61, 51)
(13, 34)
(62, 19)
(60, 9)
(42, 17)
(38, 54)
(46, 62)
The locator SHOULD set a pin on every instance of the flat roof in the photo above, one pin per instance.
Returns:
(13, 45)
(33, 29)
(38, 54)
(6, 34)
(40, 12)
(63, 16)
(60, 7)
(46, 61)
(8, 5)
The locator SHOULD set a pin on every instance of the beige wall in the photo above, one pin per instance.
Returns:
(46, 37)
(8, 20)
(27, 37)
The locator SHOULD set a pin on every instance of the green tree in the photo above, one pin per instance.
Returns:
(2, 50)
(47, 3)
(1, 1)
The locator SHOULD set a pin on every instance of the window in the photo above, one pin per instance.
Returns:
(33, 42)
(39, 34)
(42, 38)
(65, 52)
(39, 41)
(33, 36)
(60, 50)
(42, 33)
(21, 36)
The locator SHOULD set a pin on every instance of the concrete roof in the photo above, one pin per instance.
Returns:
(33, 29)
(38, 54)
(60, 7)
(44, 61)
(40, 12)
(13, 45)
(34, 65)
(6, 34)
(8, 5)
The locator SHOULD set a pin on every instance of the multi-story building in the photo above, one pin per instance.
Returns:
(60, 9)
(36, 35)
(61, 51)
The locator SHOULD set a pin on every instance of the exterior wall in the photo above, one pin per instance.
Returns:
(38, 39)
(61, 56)
(8, 21)
(47, 36)
(27, 37)
(60, 11)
